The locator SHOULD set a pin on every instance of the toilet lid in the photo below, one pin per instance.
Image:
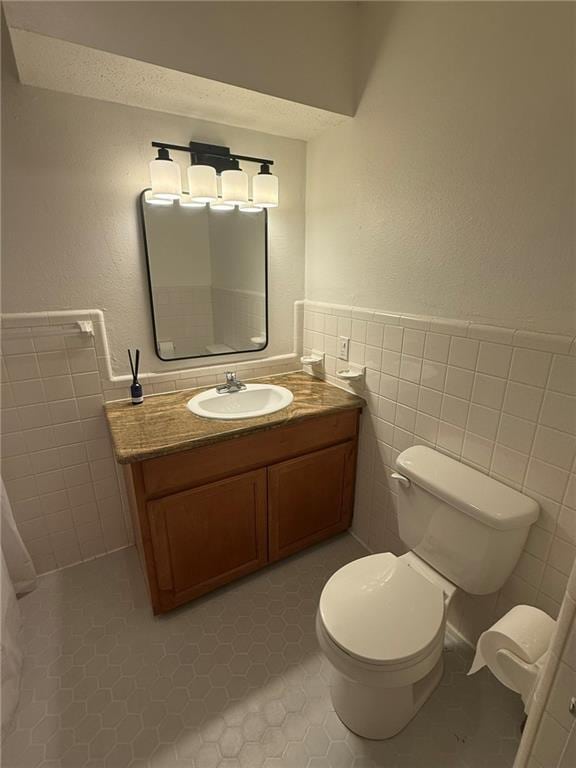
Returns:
(380, 610)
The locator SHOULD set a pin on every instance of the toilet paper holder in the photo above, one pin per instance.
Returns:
(517, 674)
(515, 649)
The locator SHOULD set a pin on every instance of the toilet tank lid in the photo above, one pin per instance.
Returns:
(473, 493)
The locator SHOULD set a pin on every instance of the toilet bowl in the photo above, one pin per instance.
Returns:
(381, 619)
(381, 624)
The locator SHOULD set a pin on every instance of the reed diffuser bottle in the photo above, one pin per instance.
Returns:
(136, 388)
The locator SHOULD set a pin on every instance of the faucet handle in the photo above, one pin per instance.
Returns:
(230, 376)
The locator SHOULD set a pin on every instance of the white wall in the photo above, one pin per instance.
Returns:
(237, 251)
(72, 170)
(178, 242)
(452, 191)
(303, 52)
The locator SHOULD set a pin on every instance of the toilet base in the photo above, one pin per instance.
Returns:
(380, 713)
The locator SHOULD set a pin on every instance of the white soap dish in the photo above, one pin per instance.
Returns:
(314, 358)
(85, 326)
(352, 373)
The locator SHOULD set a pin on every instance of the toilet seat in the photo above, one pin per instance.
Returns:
(382, 612)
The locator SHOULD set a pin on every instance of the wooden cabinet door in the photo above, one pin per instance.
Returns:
(208, 536)
(310, 498)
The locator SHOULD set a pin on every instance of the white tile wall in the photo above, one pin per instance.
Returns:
(500, 400)
(184, 316)
(554, 745)
(64, 485)
(239, 316)
(57, 459)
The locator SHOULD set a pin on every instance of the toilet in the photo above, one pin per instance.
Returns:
(382, 618)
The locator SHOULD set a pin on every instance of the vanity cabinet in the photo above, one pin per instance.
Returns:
(207, 536)
(209, 515)
(309, 499)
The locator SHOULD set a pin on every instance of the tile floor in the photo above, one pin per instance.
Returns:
(234, 680)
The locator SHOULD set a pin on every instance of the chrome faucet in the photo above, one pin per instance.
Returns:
(232, 384)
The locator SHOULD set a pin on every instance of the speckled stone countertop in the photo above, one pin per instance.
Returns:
(163, 424)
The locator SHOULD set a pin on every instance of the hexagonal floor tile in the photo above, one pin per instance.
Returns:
(233, 680)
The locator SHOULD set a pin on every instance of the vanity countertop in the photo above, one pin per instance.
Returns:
(163, 424)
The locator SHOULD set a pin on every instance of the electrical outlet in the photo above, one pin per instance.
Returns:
(343, 347)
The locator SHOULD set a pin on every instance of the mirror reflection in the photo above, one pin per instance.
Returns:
(207, 271)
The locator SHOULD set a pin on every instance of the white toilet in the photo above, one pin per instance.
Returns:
(382, 618)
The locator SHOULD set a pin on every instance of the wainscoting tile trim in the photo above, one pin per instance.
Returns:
(67, 492)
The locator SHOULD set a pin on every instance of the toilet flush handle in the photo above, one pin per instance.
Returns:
(404, 481)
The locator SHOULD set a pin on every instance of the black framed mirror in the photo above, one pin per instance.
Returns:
(207, 277)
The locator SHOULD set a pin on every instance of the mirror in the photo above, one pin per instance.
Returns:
(207, 273)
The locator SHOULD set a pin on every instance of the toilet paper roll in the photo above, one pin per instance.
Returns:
(525, 632)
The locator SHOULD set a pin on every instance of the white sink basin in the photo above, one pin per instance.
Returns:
(255, 400)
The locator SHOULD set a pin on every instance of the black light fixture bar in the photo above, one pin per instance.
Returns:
(215, 155)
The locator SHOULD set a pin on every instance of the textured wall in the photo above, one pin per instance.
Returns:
(251, 45)
(452, 191)
(72, 170)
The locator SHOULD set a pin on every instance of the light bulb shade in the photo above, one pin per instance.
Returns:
(221, 205)
(188, 202)
(155, 200)
(234, 187)
(165, 179)
(202, 183)
(265, 190)
(249, 207)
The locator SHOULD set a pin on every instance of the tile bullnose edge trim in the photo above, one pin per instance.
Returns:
(112, 381)
(544, 341)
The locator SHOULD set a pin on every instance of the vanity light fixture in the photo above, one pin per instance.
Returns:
(221, 205)
(265, 188)
(202, 183)
(250, 207)
(212, 166)
(151, 200)
(165, 177)
(234, 186)
(187, 201)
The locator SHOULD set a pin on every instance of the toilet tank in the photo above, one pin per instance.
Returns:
(467, 526)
